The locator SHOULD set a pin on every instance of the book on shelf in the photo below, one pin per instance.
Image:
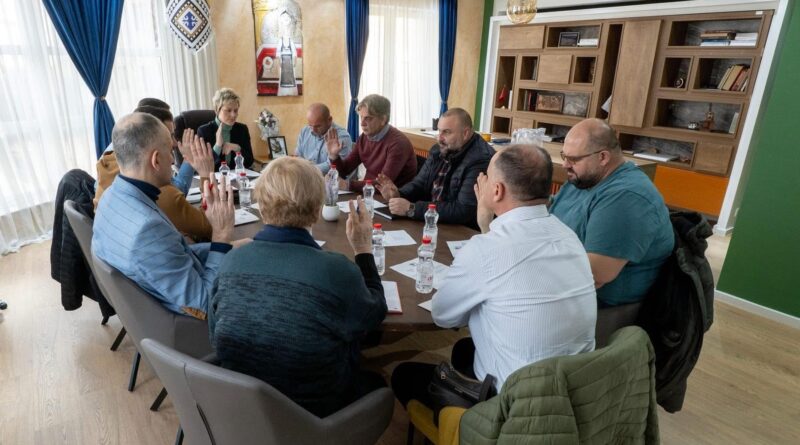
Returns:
(735, 70)
(733, 77)
(588, 42)
(718, 34)
(715, 42)
(660, 157)
(745, 43)
(738, 84)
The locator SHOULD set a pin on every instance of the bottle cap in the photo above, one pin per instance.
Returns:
(431, 206)
(223, 163)
(426, 240)
(369, 181)
(333, 166)
(377, 225)
(238, 153)
(242, 174)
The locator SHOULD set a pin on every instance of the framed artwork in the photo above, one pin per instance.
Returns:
(277, 147)
(549, 102)
(568, 38)
(279, 47)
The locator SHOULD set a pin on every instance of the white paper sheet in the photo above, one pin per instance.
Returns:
(454, 246)
(409, 269)
(397, 238)
(345, 207)
(254, 205)
(427, 305)
(194, 198)
(251, 173)
(431, 132)
(242, 216)
(345, 192)
(392, 295)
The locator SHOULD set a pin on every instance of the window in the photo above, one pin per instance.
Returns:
(402, 59)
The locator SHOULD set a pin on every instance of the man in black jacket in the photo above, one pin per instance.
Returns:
(448, 176)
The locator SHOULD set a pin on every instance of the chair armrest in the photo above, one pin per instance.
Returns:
(449, 422)
(364, 420)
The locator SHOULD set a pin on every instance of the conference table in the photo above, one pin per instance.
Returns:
(413, 317)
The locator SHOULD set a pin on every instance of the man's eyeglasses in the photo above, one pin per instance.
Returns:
(576, 159)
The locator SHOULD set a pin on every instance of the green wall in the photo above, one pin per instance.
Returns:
(488, 6)
(763, 261)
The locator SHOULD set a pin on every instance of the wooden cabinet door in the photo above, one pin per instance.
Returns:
(712, 157)
(554, 68)
(637, 52)
(521, 37)
(521, 122)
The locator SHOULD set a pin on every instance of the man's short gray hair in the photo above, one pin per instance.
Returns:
(133, 135)
(376, 105)
(527, 171)
(461, 114)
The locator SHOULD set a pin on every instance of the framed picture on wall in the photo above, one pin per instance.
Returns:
(277, 147)
(549, 102)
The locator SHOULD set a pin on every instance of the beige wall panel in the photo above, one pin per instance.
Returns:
(634, 70)
(464, 83)
(521, 37)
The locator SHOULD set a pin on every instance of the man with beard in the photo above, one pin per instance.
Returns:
(617, 213)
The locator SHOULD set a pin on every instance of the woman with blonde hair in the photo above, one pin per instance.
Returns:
(225, 135)
(287, 312)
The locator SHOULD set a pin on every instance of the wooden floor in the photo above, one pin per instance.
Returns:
(59, 383)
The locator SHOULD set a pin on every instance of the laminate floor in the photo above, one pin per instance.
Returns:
(59, 383)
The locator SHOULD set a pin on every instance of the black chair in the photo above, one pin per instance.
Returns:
(420, 162)
(190, 119)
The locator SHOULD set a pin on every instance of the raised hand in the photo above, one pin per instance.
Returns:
(359, 228)
(386, 187)
(201, 158)
(185, 146)
(218, 138)
(219, 209)
(333, 144)
(485, 214)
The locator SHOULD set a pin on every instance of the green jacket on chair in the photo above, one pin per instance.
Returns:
(601, 397)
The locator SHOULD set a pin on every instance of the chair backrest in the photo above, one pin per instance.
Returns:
(82, 227)
(236, 408)
(144, 317)
(190, 119)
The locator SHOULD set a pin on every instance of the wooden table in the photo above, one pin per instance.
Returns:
(423, 142)
(413, 318)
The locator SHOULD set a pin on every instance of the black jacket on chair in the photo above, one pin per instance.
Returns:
(240, 135)
(679, 308)
(67, 264)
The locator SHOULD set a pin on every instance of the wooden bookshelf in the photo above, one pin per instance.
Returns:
(665, 82)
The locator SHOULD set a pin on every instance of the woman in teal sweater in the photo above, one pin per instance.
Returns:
(287, 312)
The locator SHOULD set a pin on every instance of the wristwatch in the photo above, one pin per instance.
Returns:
(410, 211)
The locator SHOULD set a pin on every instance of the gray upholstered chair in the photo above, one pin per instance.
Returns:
(144, 317)
(221, 406)
(82, 226)
(612, 319)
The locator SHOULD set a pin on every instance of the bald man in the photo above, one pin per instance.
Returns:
(311, 142)
(523, 286)
(616, 211)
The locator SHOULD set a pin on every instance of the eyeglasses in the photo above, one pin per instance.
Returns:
(576, 159)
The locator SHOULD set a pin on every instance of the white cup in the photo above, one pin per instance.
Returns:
(330, 213)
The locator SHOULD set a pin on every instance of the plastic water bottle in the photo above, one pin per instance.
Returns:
(430, 230)
(425, 267)
(239, 160)
(332, 186)
(369, 197)
(224, 171)
(378, 251)
(244, 191)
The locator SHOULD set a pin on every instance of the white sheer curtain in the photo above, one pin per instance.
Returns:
(46, 108)
(402, 61)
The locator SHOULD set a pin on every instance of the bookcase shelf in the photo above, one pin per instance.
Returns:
(657, 75)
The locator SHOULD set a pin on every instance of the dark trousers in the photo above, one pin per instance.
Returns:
(410, 379)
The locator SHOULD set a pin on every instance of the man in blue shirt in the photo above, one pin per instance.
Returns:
(616, 211)
(134, 236)
(311, 142)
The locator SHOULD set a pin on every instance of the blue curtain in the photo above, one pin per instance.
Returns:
(448, 21)
(357, 30)
(89, 30)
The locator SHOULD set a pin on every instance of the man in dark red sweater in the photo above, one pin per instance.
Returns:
(382, 148)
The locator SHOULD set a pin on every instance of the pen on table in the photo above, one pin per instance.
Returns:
(389, 217)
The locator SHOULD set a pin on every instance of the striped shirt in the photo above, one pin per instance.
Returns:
(526, 291)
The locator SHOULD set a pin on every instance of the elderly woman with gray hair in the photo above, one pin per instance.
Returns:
(287, 312)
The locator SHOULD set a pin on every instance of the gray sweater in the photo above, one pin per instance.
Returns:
(292, 315)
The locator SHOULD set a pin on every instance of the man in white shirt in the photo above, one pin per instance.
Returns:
(524, 286)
